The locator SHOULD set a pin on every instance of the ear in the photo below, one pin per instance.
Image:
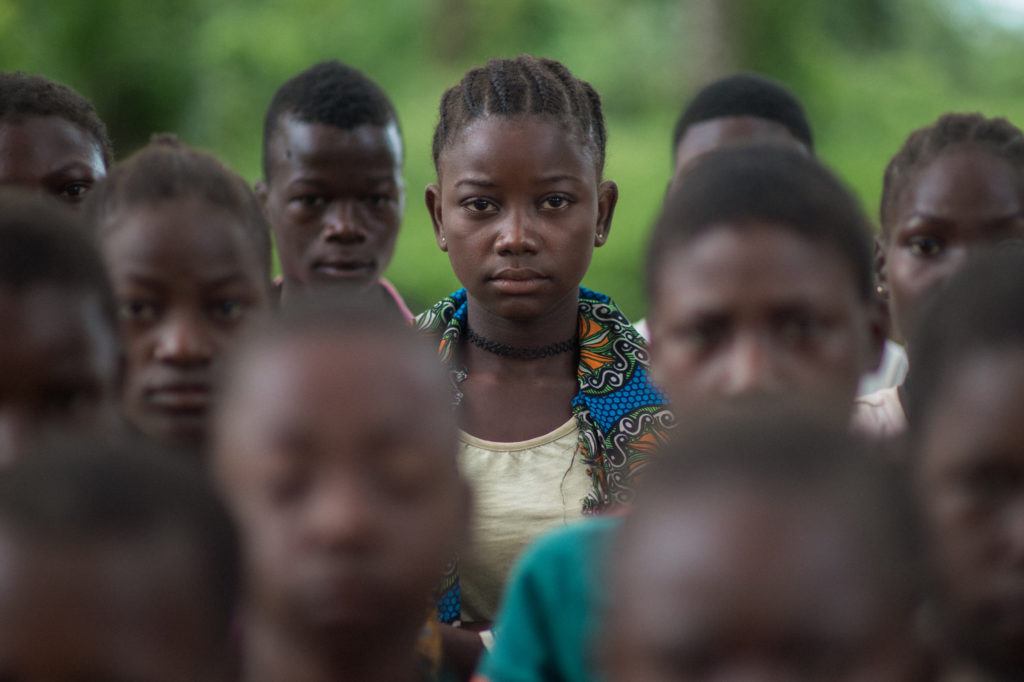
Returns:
(881, 276)
(607, 198)
(261, 192)
(878, 332)
(432, 196)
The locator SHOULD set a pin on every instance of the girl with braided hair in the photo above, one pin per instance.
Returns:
(556, 409)
(955, 187)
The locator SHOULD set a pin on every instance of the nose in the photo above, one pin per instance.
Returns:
(184, 339)
(16, 431)
(341, 224)
(516, 235)
(750, 367)
(340, 516)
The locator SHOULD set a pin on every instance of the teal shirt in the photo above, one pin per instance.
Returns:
(547, 624)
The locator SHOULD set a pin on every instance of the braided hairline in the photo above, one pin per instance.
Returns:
(524, 85)
(996, 136)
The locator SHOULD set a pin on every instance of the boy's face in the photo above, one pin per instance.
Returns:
(738, 584)
(118, 612)
(338, 460)
(52, 155)
(759, 310)
(58, 366)
(335, 199)
(970, 475)
(187, 277)
(729, 131)
(965, 200)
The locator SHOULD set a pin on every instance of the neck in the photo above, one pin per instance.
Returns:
(556, 326)
(271, 653)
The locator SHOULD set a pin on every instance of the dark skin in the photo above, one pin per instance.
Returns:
(187, 277)
(124, 611)
(335, 199)
(970, 477)
(519, 207)
(729, 131)
(758, 309)
(51, 155)
(58, 366)
(964, 200)
(743, 584)
(349, 508)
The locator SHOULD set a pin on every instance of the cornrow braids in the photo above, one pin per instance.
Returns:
(996, 136)
(524, 85)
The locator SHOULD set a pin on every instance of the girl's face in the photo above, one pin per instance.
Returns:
(519, 207)
(186, 276)
(963, 200)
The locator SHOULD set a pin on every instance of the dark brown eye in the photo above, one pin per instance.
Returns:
(926, 246)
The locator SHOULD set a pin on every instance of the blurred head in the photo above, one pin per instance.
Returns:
(332, 169)
(740, 109)
(519, 204)
(116, 563)
(51, 139)
(188, 252)
(768, 546)
(759, 281)
(967, 421)
(335, 446)
(955, 187)
(59, 351)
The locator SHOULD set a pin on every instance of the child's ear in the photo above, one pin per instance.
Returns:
(607, 198)
(260, 190)
(881, 277)
(878, 331)
(432, 196)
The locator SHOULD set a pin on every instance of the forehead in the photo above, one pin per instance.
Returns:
(502, 146)
(752, 263)
(731, 555)
(727, 131)
(54, 330)
(35, 146)
(189, 238)
(966, 179)
(297, 147)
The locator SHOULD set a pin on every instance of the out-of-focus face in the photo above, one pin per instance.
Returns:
(118, 613)
(738, 584)
(970, 476)
(58, 366)
(519, 208)
(52, 155)
(730, 131)
(187, 276)
(335, 199)
(964, 200)
(758, 310)
(339, 463)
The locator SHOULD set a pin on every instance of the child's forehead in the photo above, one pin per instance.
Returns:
(310, 142)
(47, 141)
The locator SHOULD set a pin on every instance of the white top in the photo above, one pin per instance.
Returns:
(879, 414)
(891, 371)
(521, 490)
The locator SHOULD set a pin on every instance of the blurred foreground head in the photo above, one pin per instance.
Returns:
(116, 563)
(58, 349)
(768, 546)
(335, 447)
(966, 413)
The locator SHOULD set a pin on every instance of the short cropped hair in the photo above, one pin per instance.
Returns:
(169, 170)
(746, 94)
(23, 94)
(330, 93)
(129, 493)
(787, 450)
(46, 244)
(768, 184)
(975, 311)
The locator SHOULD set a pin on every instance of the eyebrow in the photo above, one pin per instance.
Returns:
(70, 168)
(475, 182)
(543, 180)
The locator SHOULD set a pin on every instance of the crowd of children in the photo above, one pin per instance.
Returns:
(807, 463)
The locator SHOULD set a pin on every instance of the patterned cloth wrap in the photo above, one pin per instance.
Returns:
(622, 417)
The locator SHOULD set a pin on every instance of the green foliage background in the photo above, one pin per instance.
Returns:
(868, 70)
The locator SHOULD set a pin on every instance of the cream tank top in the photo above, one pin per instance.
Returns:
(520, 490)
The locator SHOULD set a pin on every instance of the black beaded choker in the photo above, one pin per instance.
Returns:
(507, 351)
